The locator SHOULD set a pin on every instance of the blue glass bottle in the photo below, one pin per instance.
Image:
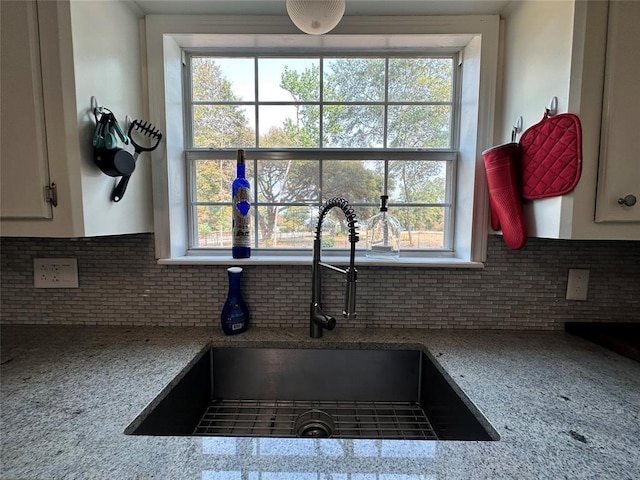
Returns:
(241, 196)
(235, 313)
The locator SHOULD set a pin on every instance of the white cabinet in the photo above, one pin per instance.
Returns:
(24, 167)
(57, 55)
(618, 198)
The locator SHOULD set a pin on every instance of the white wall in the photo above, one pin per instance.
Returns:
(538, 38)
(537, 66)
(107, 64)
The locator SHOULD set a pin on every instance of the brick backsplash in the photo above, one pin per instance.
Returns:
(121, 284)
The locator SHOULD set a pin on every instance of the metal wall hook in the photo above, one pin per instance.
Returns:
(552, 108)
(517, 128)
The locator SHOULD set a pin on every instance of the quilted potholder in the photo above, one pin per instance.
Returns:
(551, 156)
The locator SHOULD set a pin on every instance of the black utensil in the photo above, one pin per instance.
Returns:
(139, 132)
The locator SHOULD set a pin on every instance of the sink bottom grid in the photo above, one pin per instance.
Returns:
(277, 418)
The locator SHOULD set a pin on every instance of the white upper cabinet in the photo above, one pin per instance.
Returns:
(618, 198)
(62, 53)
(577, 52)
(24, 166)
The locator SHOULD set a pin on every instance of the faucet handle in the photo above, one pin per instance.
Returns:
(322, 319)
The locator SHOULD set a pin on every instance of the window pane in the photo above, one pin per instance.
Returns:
(282, 226)
(417, 181)
(353, 126)
(419, 126)
(223, 126)
(353, 80)
(423, 228)
(420, 79)
(214, 178)
(289, 126)
(335, 231)
(359, 181)
(288, 181)
(289, 79)
(222, 79)
(213, 226)
(364, 215)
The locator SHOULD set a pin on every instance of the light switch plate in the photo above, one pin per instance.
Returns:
(55, 273)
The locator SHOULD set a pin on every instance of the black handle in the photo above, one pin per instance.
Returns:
(118, 192)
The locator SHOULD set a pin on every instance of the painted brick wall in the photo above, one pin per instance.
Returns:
(121, 284)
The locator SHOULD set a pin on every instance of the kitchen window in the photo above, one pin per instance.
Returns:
(280, 81)
(319, 126)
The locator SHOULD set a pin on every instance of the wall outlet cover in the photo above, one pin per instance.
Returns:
(577, 284)
(55, 273)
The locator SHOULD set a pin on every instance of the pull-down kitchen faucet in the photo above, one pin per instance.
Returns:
(318, 319)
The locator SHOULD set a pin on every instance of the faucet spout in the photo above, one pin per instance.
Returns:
(318, 319)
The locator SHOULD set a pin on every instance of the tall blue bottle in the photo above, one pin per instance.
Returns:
(235, 313)
(241, 196)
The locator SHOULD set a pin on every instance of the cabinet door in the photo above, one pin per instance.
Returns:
(619, 168)
(24, 170)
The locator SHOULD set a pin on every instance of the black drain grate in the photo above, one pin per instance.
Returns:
(258, 418)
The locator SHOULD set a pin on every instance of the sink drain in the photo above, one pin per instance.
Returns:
(314, 424)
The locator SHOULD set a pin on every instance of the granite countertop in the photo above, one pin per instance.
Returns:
(564, 408)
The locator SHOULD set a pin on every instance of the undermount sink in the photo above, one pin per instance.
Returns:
(339, 393)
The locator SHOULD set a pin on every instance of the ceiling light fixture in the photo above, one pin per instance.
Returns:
(316, 17)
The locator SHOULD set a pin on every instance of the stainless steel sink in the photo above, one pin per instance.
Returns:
(344, 393)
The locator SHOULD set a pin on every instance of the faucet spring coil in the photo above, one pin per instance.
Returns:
(349, 213)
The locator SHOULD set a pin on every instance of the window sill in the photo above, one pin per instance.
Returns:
(421, 262)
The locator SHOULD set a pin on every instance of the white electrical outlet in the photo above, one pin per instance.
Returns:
(55, 273)
(577, 284)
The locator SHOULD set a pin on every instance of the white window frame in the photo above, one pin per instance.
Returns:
(476, 37)
(444, 155)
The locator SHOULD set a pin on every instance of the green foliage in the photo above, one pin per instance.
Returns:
(220, 126)
(304, 130)
(327, 242)
(420, 79)
(349, 179)
(354, 80)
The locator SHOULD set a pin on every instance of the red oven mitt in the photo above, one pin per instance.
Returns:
(504, 193)
(551, 156)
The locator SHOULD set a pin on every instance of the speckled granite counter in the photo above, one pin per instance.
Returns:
(564, 408)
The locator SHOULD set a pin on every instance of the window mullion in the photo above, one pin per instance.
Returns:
(385, 127)
(321, 132)
(321, 106)
(256, 236)
(255, 101)
(385, 123)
